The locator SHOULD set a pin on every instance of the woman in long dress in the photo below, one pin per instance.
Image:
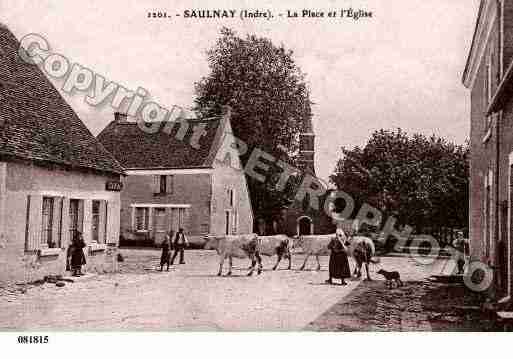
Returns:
(77, 259)
(339, 264)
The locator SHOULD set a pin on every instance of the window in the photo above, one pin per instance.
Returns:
(142, 215)
(487, 209)
(96, 221)
(43, 228)
(227, 218)
(488, 75)
(487, 80)
(231, 197)
(234, 224)
(47, 223)
(162, 184)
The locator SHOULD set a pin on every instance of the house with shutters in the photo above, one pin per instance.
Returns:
(177, 177)
(56, 179)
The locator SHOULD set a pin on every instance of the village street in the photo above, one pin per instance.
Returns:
(189, 297)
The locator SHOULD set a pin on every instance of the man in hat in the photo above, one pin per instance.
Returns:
(180, 243)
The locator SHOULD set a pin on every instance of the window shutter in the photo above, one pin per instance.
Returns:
(102, 222)
(156, 184)
(34, 217)
(187, 219)
(112, 222)
(170, 184)
(150, 219)
(109, 214)
(57, 219)
(65, 240)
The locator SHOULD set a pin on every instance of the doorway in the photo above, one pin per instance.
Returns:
(305, 226)
(76, 223)
(161, 224)
(76, 217)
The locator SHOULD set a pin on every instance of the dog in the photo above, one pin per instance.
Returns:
(391, 277)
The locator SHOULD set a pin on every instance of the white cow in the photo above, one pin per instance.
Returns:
(362, 249)
(315, 245)
(279, 245)
(235, 246)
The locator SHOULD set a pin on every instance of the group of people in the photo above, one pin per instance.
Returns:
(338, 262)
(179, 243)
(76, 257)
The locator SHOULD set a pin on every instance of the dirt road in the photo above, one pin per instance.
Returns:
(188, 297)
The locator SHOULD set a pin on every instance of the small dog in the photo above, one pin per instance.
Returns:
(391, 277)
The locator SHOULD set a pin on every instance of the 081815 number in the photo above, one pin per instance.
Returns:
(33, 339)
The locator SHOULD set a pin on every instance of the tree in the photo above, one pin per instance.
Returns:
(422, 181)
(268, 98)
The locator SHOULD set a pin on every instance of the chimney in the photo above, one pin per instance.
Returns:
(120, 117)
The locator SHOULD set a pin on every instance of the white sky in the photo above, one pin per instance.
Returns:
(402, 68)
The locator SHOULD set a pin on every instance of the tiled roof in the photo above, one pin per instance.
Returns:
(36, 123)
(135, 148)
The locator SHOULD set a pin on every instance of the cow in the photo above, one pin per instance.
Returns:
(362, 250)
(315, 245)
(235, 246)
(279, 245)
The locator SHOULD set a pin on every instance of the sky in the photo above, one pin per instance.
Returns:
(400, 68)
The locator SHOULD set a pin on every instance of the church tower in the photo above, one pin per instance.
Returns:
(307, 148)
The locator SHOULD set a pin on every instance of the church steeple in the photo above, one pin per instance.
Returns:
(307, 147)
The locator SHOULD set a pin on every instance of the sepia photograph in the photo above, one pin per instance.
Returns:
(255, 166)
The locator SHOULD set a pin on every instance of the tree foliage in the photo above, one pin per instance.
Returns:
(422, 181)
(268, 97)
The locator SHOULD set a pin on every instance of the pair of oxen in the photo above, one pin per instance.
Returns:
(252, 246)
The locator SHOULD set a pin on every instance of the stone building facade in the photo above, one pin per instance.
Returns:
(54, 178)
(175, 180)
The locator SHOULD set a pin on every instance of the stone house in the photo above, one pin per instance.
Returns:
(175, 179)
(54, 177)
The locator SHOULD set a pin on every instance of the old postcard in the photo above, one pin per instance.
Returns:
(318, 166)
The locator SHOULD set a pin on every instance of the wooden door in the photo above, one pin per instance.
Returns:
(161, 225)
